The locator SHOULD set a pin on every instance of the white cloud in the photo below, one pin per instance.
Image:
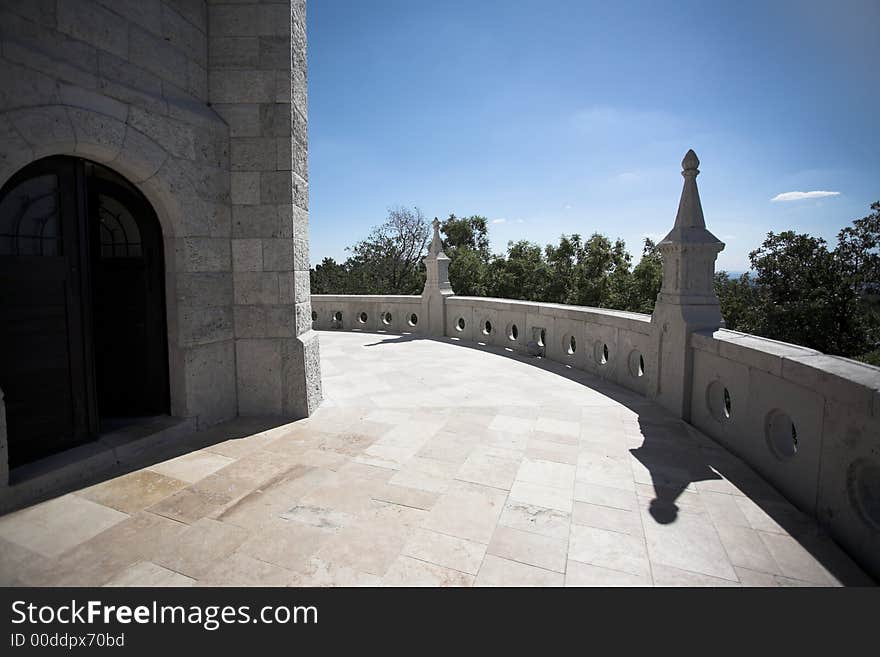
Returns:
(520, 221)
(500, 220)
(567, 206)
(627, 177)
(801, 196)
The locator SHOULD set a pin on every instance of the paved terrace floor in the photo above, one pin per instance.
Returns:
(434, 463)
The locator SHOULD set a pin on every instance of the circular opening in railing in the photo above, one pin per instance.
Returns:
(512, 332)
(314, 315)
(337, 316)
(863, 486)
(487, 327)
(413, 319)
(570, 345)
(542, 337)
(718, 401)
(636, 364)
(781, 434)
(362, 318)
(386, 318)
(459, 325)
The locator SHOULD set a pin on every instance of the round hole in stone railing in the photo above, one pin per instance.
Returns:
(863, 487)
(636, 364)
(386, 318)
(362, 318)
(542, 338)
(512, 332)
(459, 325)
(337, 316)
(718, 401)
(570, 345)
(487, 327)
(413, 319)
(781, 434)
(314, 315)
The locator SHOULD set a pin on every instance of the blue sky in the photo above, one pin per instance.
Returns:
(570, 116)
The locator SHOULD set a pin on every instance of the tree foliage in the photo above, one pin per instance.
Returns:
(801, 291)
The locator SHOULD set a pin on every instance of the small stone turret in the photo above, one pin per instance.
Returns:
(687, 301)
(437, 286)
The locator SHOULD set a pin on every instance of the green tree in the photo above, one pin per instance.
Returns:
(466, 243)
(647, 277)
(520, 275)
(329, 277)
(738, 299)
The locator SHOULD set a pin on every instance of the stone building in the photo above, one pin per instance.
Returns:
(153, 162)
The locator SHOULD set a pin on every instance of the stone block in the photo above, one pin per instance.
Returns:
(844, 380)
(210, 382)
(197, 80)
(234, 20)
(242, 52)
(285, 287)
(183, 35)
(255, 221)
(146, 13)
(205, 254)
(300, 255)
(251, 154)
(275, 119)
(302, 375)
(301, 287)
(204, 325)
(38, 11)
(280, 321)
(284, 160)
(195, 11)
(300, 192)
(259, 376)
(98, 136)
(245, 188)
(202, 289)
(275, 187)
(46, 129)
(241, 86)
(175, 137)
(255, 287)
(155, 55)
(278, 254)
(129, 83)
(92, 23)
(250, 321)
(274, 52)
(243, 119)
(247, 255)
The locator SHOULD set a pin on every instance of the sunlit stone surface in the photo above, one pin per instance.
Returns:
(434, 463)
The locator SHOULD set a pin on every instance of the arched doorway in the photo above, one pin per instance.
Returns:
(83, 344)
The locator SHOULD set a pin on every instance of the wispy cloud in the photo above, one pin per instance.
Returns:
(500, 220)
(801, 196)
(627, 177)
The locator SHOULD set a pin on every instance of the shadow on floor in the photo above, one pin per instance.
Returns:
(677, 455)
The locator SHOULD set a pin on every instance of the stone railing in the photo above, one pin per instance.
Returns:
(808, 422)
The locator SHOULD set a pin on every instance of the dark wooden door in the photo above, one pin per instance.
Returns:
(129, 309)
(82, 306)
(44, 371)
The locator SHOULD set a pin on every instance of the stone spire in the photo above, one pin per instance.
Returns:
(687, 301)
(437, 286)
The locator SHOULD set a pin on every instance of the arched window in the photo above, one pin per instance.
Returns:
(29, 218)
(120, 237)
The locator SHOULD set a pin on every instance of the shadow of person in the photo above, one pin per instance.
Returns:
(672, 456)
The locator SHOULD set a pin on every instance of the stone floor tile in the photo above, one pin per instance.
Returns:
(193, 466)
(538, 495)
(407, 571)
(670, 576)
(497, 571)
(444, 550)
(607, 517)
(614, 550)
(556, 426)
(320, 573)
(285, 543)
(364, 547)
(200, 546)
(146, 573)
(530, 548)
(241, 569)
(584, 574)
(467, 511)
(53, 527)
(794, 560)
(190, 505)
(745, 549)
(134, 491)
(510, 424)
(537, 519)
(723, 509)
(547, 473)
(488, 470)
(690, 543)
(617, 498)
(404, 496)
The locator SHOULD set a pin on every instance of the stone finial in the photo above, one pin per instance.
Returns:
(690, 163)
(436, 247)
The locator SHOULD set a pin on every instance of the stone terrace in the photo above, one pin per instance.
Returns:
(434, 463)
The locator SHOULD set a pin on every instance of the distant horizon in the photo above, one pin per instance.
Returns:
(573, 117)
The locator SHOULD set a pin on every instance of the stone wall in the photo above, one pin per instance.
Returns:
(192, 102)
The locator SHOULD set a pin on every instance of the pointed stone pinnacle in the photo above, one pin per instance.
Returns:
(690, 161)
